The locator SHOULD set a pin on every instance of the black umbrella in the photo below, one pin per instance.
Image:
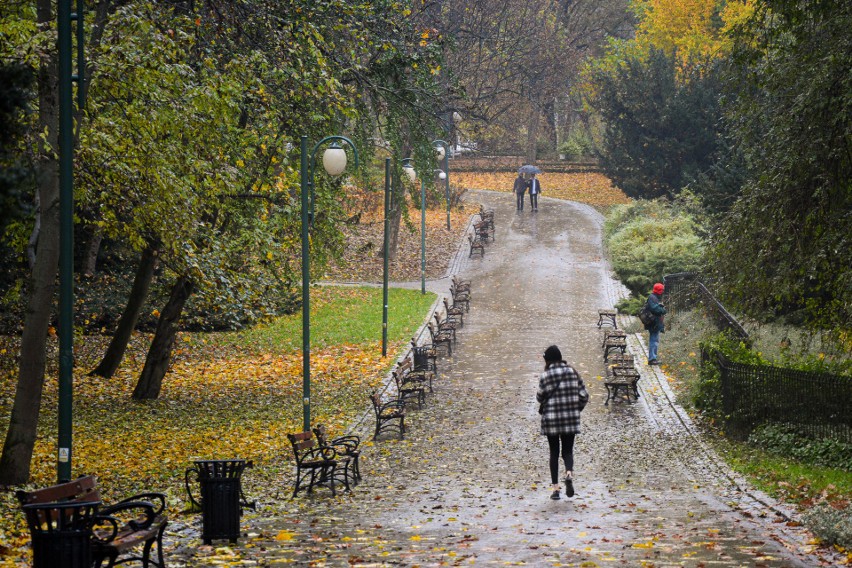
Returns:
(529, 169)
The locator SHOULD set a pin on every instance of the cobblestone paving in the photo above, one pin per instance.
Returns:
(470, 485)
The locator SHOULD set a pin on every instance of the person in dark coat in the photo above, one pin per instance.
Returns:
(535, 189)
(656, 327)
(519, 188)
(562, 397)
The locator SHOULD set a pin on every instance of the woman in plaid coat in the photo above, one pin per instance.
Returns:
(562, 397)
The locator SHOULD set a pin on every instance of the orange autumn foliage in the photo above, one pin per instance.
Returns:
(591, 188)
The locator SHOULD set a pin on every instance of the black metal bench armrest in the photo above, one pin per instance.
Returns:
(320, 453)
(351, 443)
(392, 405)
(158, 500)
(105, 528)
(147, 508)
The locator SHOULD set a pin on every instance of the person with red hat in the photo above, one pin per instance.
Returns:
(654, 304)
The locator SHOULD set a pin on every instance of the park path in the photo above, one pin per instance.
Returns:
(470, 483)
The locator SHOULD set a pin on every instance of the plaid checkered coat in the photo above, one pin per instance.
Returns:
(565, 395)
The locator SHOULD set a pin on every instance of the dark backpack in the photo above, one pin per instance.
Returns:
(646, 316)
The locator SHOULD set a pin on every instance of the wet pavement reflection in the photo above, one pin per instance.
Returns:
(470, 483)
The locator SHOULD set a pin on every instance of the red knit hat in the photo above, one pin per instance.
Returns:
(658, 288)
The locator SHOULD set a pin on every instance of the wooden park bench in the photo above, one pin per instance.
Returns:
(446, 325)
(615, 341)
(607, 317)
(441, 338)
(408, 386)
(454, 312)
(460, 285)
(484, 231)
(317, 465)
(476, 245)
(461, 295)
(486, 215)
(115, 531)
(390, 416)
(621, 379)
(346, 446)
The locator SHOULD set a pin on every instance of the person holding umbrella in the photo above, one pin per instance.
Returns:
(529, 170)
(535, 189)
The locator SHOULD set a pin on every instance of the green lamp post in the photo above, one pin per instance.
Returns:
(442, 151)
(385, 269)
(66, 222)
(334, 163)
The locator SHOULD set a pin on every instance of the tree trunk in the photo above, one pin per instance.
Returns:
(91, 261)
(160, 352)
(138, 293)
(532, 133)
(23, 422)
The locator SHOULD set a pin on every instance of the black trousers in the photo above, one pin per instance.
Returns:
(520, 195)
(534, 200)
(554, 441)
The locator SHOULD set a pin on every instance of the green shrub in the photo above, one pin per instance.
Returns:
(832, 525)
(649, 239)
(630, 305)
(786, 440)
(579, 144)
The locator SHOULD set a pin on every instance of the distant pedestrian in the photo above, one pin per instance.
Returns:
(535, 189)
(519, 189)
(654, 304)
(562, 397)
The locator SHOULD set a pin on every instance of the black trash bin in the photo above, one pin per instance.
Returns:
(61, 533)
(221, 497)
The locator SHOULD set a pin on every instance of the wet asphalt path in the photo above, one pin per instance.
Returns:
(470, 484)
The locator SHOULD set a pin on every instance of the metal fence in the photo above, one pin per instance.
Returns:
(815, 404)
(685, 290)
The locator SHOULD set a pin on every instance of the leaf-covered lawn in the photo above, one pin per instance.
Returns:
(226, 396)
(237, 395)
(362, 257)
(592, 188)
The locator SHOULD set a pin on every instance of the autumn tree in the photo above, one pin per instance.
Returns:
(189, 152)
(784, 246)
(15, 81)
(513, 59)
(661, 127)
(659, 96)
(20, 437)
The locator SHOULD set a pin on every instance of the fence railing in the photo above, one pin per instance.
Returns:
(815, 404)
(685, 290)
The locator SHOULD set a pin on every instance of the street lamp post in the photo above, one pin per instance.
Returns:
(65, 16)
(422, 238)
(442, 175)
(385, 259)
(442, 149)
(334, 163)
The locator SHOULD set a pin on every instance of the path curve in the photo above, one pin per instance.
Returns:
(470, 483)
